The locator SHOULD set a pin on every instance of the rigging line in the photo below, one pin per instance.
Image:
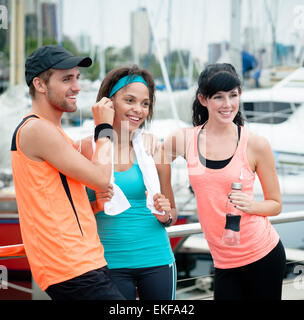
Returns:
(212, 275)
(195, 278)
(293, 262)
(163, 67)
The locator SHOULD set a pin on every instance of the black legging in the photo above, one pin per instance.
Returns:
(260, 280)
(154, 283)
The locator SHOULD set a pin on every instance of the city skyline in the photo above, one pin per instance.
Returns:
(193, 26)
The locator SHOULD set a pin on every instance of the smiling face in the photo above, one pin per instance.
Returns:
(62, 89)
(223, 106)
(131, 104)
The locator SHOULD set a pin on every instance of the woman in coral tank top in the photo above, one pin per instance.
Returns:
(220, 152)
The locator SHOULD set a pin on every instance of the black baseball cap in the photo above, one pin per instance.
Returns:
(52, 56)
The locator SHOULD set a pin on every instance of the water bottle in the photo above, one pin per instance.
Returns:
(231, 235)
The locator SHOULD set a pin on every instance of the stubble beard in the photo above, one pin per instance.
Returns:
(59, 103)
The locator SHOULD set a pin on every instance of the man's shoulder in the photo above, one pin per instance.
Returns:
(39, 137)
(38, 126)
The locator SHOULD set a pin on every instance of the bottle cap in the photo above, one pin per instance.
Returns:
(236, 186)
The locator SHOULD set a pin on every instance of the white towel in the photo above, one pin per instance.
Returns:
(119, 202)
(148, 169)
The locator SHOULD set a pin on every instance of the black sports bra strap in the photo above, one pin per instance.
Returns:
(215, 164)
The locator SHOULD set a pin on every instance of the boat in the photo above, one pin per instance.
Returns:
(282, 130)
(277, 113)
(10, 232)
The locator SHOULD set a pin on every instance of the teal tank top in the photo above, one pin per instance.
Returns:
(133, 238)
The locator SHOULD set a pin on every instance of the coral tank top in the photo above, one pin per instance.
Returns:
(211, 188)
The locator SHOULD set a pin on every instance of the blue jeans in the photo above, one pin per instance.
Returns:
(153, 283)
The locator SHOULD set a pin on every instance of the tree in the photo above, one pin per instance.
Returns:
(92, 73)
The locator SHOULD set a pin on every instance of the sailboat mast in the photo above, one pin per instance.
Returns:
(39, 24)
(60, 22)
(17, 42)
(163, 67)
(169, 37)
(273, 30)
(101, 53)
(235, 35)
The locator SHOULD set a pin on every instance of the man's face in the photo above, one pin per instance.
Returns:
(62, 89)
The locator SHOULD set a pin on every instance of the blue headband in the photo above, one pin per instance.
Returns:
(127, 80)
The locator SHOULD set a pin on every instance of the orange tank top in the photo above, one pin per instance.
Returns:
(211, 188)
(57, 224)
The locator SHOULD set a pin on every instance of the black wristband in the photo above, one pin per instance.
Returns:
(103, 130)
(167, 224)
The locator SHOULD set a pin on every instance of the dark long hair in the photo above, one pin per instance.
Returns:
(215, 77)
(114, 75)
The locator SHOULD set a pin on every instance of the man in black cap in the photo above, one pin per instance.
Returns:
(57, 223)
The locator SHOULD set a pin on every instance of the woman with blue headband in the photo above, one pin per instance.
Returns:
(137, 247)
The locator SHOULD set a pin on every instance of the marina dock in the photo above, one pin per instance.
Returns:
(198, 286)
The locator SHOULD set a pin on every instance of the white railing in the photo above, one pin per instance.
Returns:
(202, 283)
(186, 230)
(195, 228)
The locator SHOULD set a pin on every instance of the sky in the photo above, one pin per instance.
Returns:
(194, 23)
(112, 20)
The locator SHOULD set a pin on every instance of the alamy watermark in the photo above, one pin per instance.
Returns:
(3, 277)
(298, 281)
(3, 17)
(179, 144)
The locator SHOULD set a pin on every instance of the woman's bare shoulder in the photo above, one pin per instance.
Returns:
(257, 143)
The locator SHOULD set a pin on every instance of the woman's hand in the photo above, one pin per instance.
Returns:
(103, 197)
(103, 111)
(162, 204)
(242, 202)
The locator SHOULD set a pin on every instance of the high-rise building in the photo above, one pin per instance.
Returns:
(140, 33)
(216, 50)
(49, 19)
(41, 19)
(83, 43)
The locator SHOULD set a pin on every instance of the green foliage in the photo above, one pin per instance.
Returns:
(114, 57)
(92, 73)
(31, 44)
